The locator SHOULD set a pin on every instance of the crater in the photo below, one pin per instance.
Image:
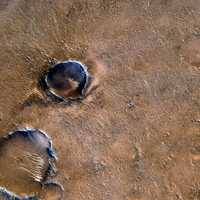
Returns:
(27, 164)
(66, 81)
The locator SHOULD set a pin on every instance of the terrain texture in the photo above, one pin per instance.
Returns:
(138, 138)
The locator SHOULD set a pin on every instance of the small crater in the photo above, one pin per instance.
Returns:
(131, 104)
(66, 81)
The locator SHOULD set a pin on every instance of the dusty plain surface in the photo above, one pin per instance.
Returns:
(139, 136)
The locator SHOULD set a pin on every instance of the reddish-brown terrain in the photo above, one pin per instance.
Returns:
(138, 138)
